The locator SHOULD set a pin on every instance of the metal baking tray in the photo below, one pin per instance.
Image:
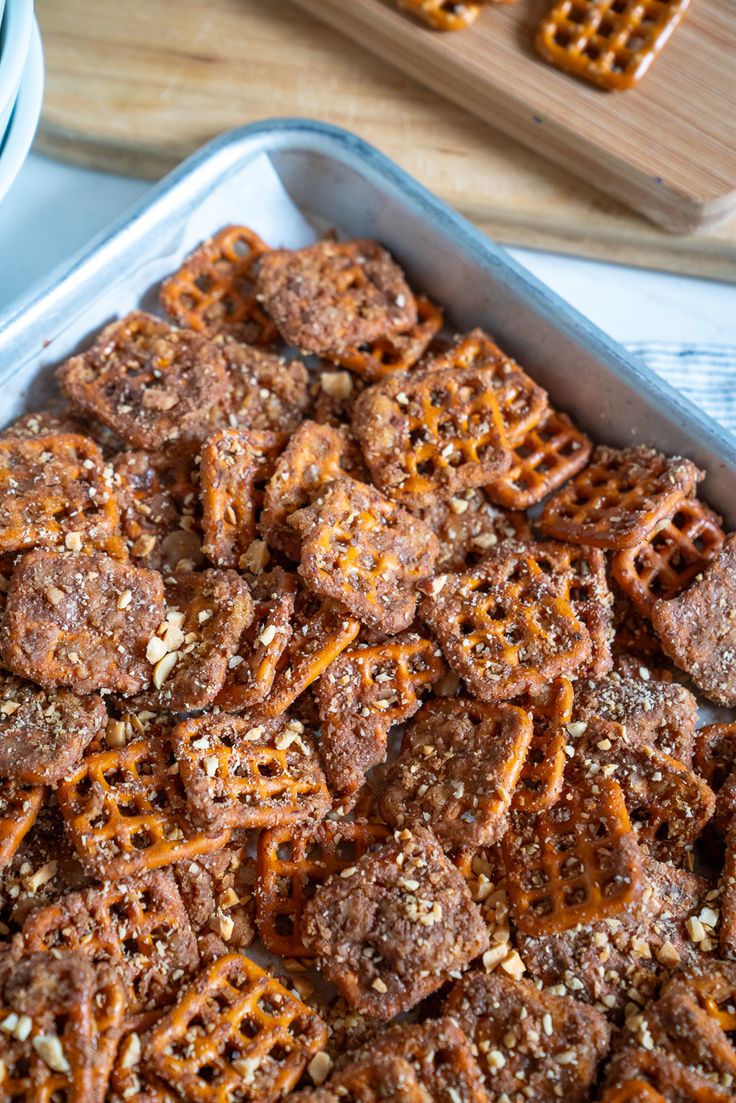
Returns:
(337, 181)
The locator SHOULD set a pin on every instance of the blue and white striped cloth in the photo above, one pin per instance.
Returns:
(706, 374)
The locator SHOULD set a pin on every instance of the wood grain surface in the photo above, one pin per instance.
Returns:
(133, 88)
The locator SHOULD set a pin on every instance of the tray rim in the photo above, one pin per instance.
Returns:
(295, 133)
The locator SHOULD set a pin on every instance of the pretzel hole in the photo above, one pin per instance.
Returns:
(606, 28)
(285, 925)
(542, 906)
(574, 895)
(249, 1027)
(83, 787)
(141, 840)
(207, 1073)
(592, 51)
(562, 37)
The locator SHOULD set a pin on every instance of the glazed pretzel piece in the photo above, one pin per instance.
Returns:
(582, 572)
(392, 931)
(19, 807)
(457, 770)
(128, 1080)
(292, 862)
(396, 353)
(468, 525)
(550, 453)
(433, 433)
(552, 1044)
(43, 733)
(371, 1080)
(633, 632)
(612, 43)
(60, 1022)
(267, 393)
(322, 630)
(235, 1032)
(81, 621)
(573, 863)
(55, 491)
(251, 671)
(244, 773)
(148, 381)
(332, 296)
(696, 629)
(363, 550)
(213, 292)
(619, 498)
(365, 692)
(138, 926)
(668, 560)
(540, 780)
(504, 626)
(443, 15)
(315, 455)
(638, 1075)
(126, 813)
(228, 471)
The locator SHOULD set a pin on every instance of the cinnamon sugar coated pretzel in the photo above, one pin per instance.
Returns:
(372, 663)
(612, 43)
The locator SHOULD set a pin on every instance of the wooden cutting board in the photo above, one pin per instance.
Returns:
(136, 85)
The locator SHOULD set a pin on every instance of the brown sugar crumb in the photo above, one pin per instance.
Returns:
(468, 526)
(43, 733)
(55, 491)
(654, 713)
(618, 963)
(329, 297)
(137, 925)
(430, 434)
(619, 498)
(438, 1053)
(393, 930)
(148, 381)
(363, 550)
(698, 630)
(266, 393)
(243, 772)
(530, 1044)
(233, 1007)
(504, 626)
(315, 455)
(363, 693)
(82, 621)
(457, 770)
(157, 496)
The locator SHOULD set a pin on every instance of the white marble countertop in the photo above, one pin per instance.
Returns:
(52, 210)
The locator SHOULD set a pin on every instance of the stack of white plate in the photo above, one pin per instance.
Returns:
(21, 86)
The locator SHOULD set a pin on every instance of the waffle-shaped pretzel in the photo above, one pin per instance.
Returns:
(129, 1080)
(321, 631)
(147, 381)
(540, 780)
(89, 618)
(54, 491)
(694, 1015)
(365, 692)
(398, 352)
(125, 811)
(443, 15)
(44, 733)
(633, 632)
(137, 925)
(60, 1022)
(433, 432)
(551, 453)
(368, 1080)
(468, 525)
(654, 1076)
(227, 475)
(530, 1031)
(619, 498)
(521, 401)
(267, 393)
(504, 626)
(214, 292)
(19, 807)
(582, 575)
(457, 770)
(156, 496)
(612, 43)
(333, 296)
(315, 455)
(667, 561)
(234, 1008)
(364, 551)
(252, 670)
(242, 773)
(573, 863)
(715, 752)
(291, 863)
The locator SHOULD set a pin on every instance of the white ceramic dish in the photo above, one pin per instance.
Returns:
(16, 28)
(27, 110)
